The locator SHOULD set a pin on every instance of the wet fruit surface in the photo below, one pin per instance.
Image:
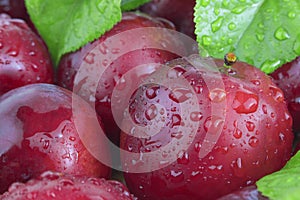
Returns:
(24, 58)
(70, 64)
(243, 132)
(38, 133)
(53, 185)
(287, 78)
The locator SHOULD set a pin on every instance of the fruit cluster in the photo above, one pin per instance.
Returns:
(165, 122)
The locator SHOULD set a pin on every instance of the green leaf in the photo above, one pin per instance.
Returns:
(284, 184)
(127, 5)
(264, 33)
(67, 25)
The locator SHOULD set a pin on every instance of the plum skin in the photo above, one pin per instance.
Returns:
(24, 57)
(256, 138)
(38, 133)
(70, 63)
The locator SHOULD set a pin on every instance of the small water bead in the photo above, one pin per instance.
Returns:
(217, 24)
(204, 3)
(245, 102)
(206, 40)
(217, 95)
(196, 116)
(260, 37)
(253, 141)
(231, 26)
(291, 14)
(238, 9)
(281, 34)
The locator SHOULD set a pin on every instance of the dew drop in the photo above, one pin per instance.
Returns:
(217, 24)
(260, 37)
(217, 95)
(238, 9)
(180, 95)
(151, 112)
(281, 137)
(291, 14)
(231, 26)
(277, 94)
(196, 116)
(237, 133)
(216, 11)
(89, 58)
(213, 124)
(206, 40)
(176, 120)
(151, 93)
(281, 34)
(253, 141)
(250, 126)
(204, 3)
(13, 53)
(245, 102)
(183, 157)
(225, 3)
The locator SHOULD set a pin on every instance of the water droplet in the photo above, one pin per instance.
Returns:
(239, 163)
(176, 120)
(216, 11)
(89, 58)
(72, 138)
(281, 34)
(196, 116)
(103, 48)
(13, 53)
(151, 93)
(183, 157)
(250, 126)
(261, 25)
(260, 37)
(204, 3)
(217, 95)
(245, 102)
(180, 95)
(291, 14)
(256, 82)
(213, 124)
(217, 24)
(238, 9)
(175, 72)
(253, 141)
(151, 112)
(206, 40)
(296, 46)
(276, 93)
(281, 137)
(32, 53)
(237, 133)
(231, 26)
(225, 3)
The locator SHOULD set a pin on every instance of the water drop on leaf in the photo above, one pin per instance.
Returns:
(206, 40)
(216, 25)
(281, 34)
(204, 3)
